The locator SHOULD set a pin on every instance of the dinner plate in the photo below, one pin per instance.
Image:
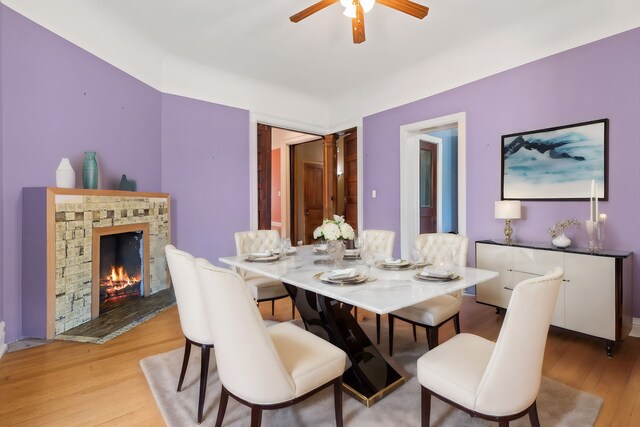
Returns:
(355, 280)
(453, 276)
(405, 265)
(253, 258)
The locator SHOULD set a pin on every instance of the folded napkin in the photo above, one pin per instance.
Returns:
(261, 254)
(393, 261)
(439, 273)
(342, 274)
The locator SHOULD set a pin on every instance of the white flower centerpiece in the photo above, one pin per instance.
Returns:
(335, 231)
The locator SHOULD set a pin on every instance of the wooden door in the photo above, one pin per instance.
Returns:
(351, 178)
(428, 187)
(313, 181)
(264, 177)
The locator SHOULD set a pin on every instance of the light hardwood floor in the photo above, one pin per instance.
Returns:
(74, 384)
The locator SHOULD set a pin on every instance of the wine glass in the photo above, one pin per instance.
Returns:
(369, 258)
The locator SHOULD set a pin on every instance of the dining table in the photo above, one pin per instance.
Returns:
(379, 286)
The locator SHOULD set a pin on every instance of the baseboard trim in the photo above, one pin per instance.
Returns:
(3, 346)
(635, 328)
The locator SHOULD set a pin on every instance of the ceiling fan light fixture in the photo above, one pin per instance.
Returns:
(367, 5)
(350, 11)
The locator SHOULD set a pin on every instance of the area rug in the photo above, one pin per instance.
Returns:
(558, 404)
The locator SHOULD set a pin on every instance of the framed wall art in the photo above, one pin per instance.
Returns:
(558, 163)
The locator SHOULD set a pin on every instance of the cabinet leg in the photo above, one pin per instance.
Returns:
(610, 348)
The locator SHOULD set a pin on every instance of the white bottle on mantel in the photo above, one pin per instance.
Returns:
(65, 175)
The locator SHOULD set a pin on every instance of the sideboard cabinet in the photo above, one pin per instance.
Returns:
(595, 296)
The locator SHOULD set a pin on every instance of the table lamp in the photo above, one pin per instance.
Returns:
(507, 210)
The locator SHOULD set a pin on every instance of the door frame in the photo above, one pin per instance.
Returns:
(254, 119)
(410, 172)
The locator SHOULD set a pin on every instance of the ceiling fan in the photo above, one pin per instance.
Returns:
(355, 9)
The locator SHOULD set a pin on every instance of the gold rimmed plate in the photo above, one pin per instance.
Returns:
(423, 278)
(404, 265)
(355, 280)
(272, 258)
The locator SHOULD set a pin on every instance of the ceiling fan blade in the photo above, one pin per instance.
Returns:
(406, 6)
(357, 24)
(311, 10)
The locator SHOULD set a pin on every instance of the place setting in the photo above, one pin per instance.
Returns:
(265, 256)
(395, 264)
(345, 276)
(436, 274)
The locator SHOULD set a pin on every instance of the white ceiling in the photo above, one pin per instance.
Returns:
(247, 53)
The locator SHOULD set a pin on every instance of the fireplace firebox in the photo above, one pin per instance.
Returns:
(122, 272)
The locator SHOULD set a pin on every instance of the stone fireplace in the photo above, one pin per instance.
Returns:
(63, 232)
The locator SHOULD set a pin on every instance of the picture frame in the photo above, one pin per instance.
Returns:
(559, 163)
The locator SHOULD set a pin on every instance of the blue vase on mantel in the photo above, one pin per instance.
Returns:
(90, 170)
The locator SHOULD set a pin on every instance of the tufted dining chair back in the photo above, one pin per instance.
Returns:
(379, 242)
(256, 241)
(443, 248)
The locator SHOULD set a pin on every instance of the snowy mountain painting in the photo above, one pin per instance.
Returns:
(557, 163)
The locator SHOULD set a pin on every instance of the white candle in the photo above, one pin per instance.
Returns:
(595, 216)
(593, 192)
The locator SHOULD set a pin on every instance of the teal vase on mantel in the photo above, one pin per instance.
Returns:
(90, 170)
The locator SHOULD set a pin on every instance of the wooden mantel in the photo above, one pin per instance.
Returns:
(58, 223)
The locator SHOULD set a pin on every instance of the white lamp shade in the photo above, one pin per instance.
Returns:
(346, 3)
(350, 11)
(367, 5)
(507, 209)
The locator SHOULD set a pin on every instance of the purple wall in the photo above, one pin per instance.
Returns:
(60, 101)
(599, 80)
(205, 168)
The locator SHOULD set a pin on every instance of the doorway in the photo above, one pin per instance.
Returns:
(289, 185)
(428, 187)
(449, 133)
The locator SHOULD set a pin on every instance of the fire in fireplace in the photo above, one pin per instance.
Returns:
(121, 268)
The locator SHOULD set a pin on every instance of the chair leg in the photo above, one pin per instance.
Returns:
(533, 415)
(204, 372)
(377, 328)
(337, 397)
(456, 322)
(426, 407)
(415, 337)
(355, 313)
(185, 362)
(503, 424)
(222, 407)
(256, 416)
(273, 307)
(293, 310)
(391, 318)
(432, 337)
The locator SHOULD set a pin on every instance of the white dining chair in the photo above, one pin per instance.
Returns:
(262, 288)
(435, 249)
(495, 381)
(191, 311)
(264, 368)
(380, 244)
